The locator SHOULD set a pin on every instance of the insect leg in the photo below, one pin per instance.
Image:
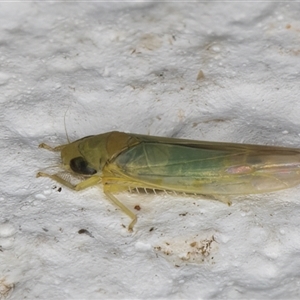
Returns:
(55, 149)
(80, 186)
(93, 180)
(124, 209)
(223, 198)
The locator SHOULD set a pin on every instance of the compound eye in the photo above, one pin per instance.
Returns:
(80, 166)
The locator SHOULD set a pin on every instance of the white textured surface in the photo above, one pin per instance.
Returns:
(133, 67)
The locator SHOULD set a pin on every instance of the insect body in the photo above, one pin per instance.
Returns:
(122, 161)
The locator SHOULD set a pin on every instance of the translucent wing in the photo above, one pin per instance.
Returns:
(209, 168)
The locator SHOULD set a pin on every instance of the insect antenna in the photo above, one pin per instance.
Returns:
(66, 125)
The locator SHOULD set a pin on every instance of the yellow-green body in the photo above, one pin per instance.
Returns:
(122, 161)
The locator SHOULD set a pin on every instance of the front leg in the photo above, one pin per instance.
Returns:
(54, 149)
(91, 181)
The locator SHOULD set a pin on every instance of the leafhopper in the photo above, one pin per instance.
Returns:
(123, 162)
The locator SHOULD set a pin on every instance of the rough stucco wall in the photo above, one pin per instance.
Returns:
(133, 67)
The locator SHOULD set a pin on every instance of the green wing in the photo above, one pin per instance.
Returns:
(156, 159)
(210, 168)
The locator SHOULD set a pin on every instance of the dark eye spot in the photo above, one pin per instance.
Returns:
(80, 166)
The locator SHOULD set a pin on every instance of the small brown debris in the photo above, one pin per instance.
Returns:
(193, 244)
(84, 231)
(200, 75)
(137, 207)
